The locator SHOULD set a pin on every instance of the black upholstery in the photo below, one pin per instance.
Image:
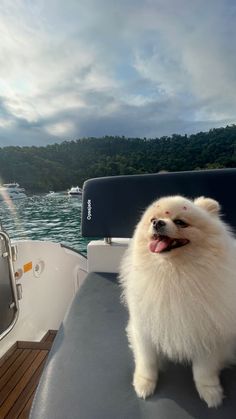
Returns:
(89, 371)
(113, 205)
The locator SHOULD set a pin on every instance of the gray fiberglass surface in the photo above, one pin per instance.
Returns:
(89, 371)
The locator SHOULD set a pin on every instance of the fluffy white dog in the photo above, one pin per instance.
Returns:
(179, 283)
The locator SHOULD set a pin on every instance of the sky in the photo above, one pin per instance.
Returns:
(138, 68)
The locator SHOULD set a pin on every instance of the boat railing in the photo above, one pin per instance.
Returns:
(9, 294)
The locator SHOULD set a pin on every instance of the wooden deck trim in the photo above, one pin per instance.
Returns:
(13, 368)
(26, 394)
(20, 371)
(10, 361)
(50, 336)
(45, 346)
(26, 410)
(11, 384)
(22, 383)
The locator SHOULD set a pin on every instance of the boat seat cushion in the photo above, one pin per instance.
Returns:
(89, 370)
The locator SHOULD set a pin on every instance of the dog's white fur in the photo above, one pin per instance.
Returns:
(182, 303)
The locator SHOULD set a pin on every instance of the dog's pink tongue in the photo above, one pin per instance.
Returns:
(157, 246)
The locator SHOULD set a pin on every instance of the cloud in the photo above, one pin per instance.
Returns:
(138, 68)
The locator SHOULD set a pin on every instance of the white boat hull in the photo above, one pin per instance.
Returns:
(50, 276)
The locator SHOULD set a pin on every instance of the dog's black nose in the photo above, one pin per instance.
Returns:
(158, 223)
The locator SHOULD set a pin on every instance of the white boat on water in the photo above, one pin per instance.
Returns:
(75, 191)
(11, 191)
(47, 289)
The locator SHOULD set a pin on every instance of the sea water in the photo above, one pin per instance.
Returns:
(54, 217)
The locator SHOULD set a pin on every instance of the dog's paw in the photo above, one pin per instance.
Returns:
(211, 394)
(144, 387)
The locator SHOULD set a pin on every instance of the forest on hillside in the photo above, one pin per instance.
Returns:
(59, 166)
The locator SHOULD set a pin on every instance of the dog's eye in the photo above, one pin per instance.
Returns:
(180, 223)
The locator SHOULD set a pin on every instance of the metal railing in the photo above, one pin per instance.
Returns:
(8, 253)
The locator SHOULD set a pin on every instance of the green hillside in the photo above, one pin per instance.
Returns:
(58, 166)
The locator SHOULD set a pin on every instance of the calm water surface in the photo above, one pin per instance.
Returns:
(45, 217)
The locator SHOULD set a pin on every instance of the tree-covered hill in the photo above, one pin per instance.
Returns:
(59, 166)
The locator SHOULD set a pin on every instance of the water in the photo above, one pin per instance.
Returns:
(43, 217)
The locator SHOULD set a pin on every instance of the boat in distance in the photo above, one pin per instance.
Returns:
(11, 191)
(75, 191)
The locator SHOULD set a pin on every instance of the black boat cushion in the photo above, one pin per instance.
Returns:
(89, 370)
(113, 205)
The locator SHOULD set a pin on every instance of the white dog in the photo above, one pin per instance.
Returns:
(179, 283)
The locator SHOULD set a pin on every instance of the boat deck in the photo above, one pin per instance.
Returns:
(20, 371)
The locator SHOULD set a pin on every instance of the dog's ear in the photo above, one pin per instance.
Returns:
(208, 204)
